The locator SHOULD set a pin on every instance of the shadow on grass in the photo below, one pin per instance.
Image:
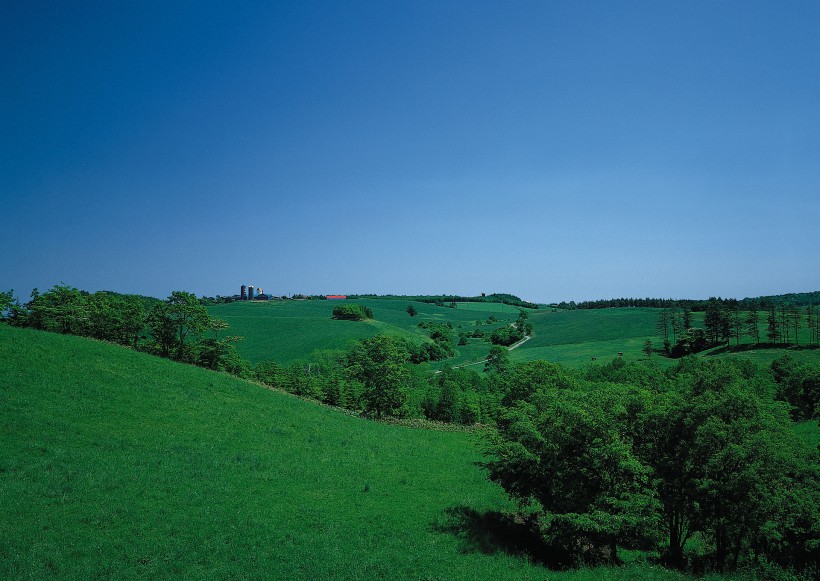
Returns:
(761, 347)
(492, 532)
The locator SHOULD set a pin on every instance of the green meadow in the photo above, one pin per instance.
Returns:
(117, 464)
(286, 331)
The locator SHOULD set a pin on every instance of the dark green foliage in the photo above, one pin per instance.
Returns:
(423, 352)
(756, 303)
(704, 452)
(459, 396)
(719, 452)
(221, 355)
(442, 348)
(506, 336)
(498, 360)
(521, 321)
(172, 323)
(380, 365)
(411, 310)
(103, 315)
(692, 341)
(7, 303)
(716, 321)
(268, 372)
(799, 386)
(626, 373)
(523, 380)
(175, 327)
(352, 312)
(566, 451)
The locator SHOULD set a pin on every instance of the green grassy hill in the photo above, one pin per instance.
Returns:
(289, 330)
(120, 465)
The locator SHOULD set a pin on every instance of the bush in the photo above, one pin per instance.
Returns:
(352, 312)
(506, 336)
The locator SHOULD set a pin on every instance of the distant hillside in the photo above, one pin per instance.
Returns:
(288, 331)
(503, 298)
(796, 299)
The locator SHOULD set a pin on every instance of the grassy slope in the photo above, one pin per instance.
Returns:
(117, 464)
(290, 330)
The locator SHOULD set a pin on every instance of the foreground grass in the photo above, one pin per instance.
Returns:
(116, 464)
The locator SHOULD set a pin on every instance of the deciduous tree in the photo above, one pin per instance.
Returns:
(380, 364)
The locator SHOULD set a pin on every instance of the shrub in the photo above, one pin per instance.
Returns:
(352, 312)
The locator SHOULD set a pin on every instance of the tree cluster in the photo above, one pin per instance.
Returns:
(799, 386)
(704, 452)
(352, 312)
(725, 321)
(63, 309)
(441, 346)
(178, 328)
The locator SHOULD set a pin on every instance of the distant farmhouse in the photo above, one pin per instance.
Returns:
(250, 293)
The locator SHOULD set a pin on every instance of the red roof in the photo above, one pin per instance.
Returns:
(337, 296)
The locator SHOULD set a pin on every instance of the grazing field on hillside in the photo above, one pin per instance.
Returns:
(290, 330)
(491, 308)
(117, 464)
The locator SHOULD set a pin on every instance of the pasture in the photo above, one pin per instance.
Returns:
(287, 331)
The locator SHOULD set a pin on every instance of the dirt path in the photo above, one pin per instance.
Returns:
(510, 348)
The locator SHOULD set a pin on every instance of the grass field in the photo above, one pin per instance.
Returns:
(492, 308)
(290, 330)
(116, 464)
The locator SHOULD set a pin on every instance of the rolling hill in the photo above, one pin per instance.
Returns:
(287, 331)
(117, 464)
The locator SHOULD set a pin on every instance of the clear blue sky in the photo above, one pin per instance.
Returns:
(554, 150)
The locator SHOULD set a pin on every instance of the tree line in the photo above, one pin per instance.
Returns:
(726, 320)
(763, 303)
(178, 328)
(451, 300)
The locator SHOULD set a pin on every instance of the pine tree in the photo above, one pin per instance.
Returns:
(752, 329)
(772, 325)
(795, 316)
(784, 324)
(735, 321)
(662, 325)
(687, 319)
(675, 322)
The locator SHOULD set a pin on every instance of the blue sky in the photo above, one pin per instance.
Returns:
(554, 150)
